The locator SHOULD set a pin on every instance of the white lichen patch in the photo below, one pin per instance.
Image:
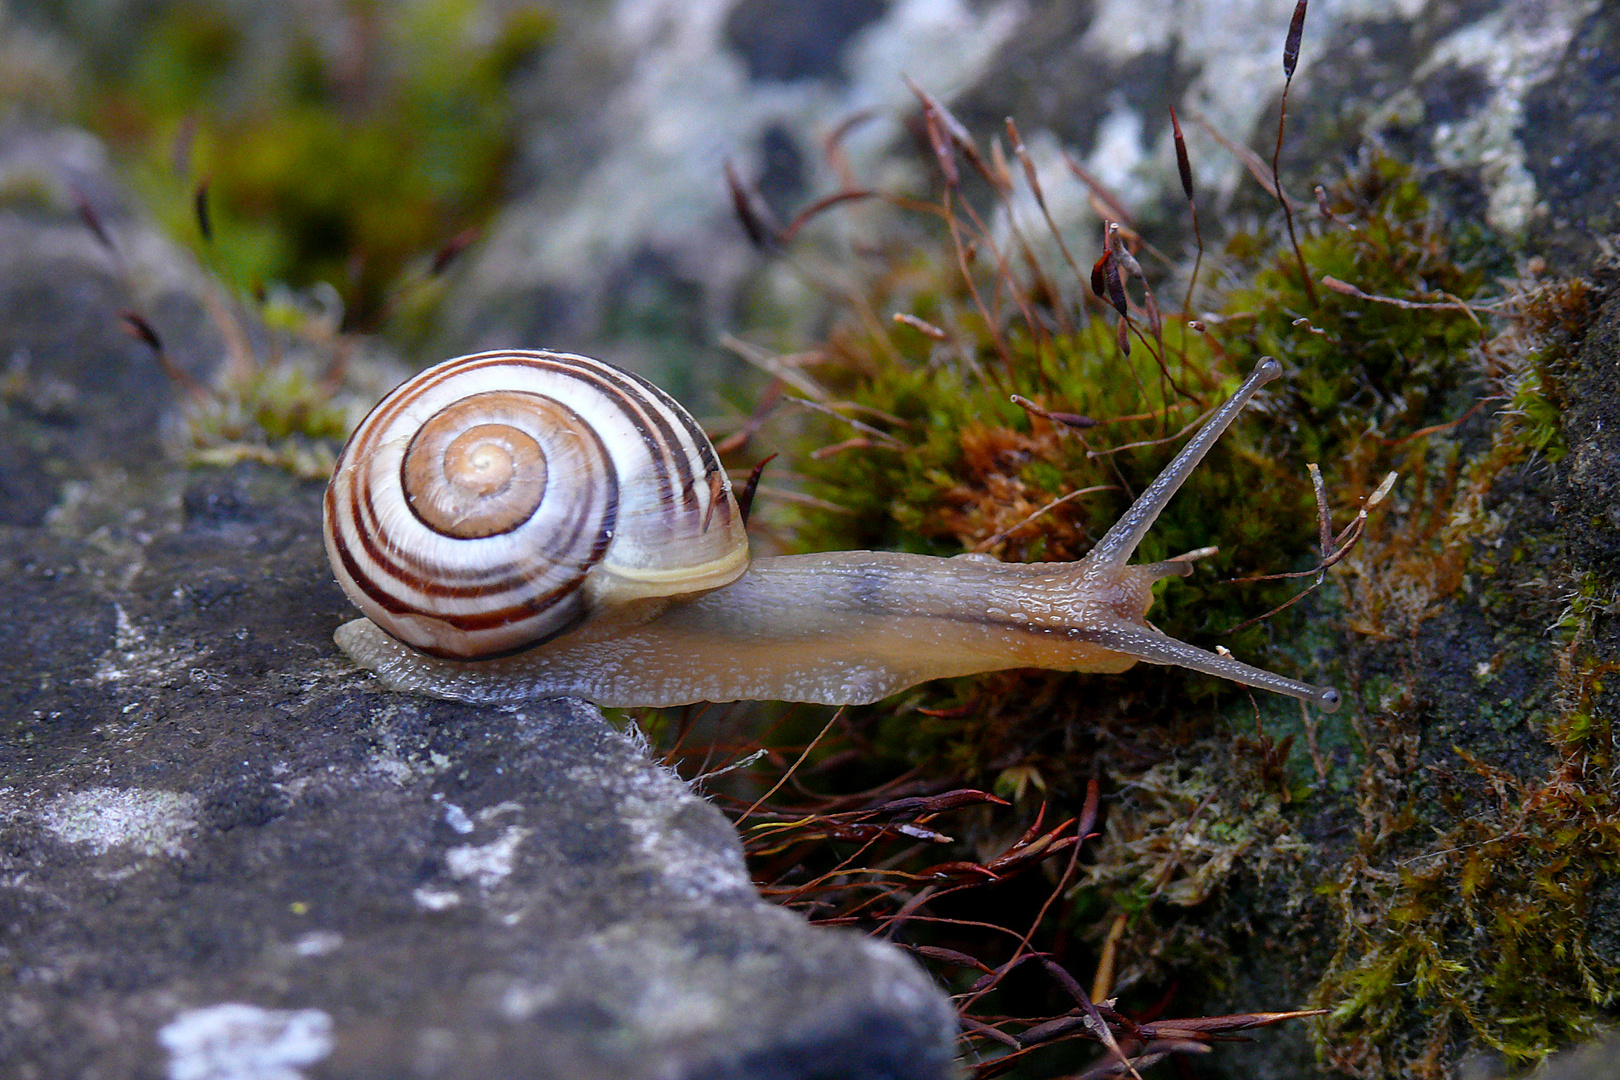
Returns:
(436, 899)
(486, 865)
(687, 104)
(653, 805)
(392, 769)
(520, 1001)
(1234, 47)
(1513, 49)
(311, 946)
(689, 865)
(457, 819)
(141, 821)
(665, 988)
(134, 656)
(318, 943)
(233, 1041)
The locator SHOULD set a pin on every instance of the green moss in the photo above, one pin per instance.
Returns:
(1463, 897)
(283, 394)
(966, 465)
(1485, 932)
(1178, 830)
(1468, 907)
(275, 415)
(322, 165)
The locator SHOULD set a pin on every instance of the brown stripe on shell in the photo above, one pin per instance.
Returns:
(627, 391)
(562, 605)
(710, 464)
(471, 479)
(393, 564)
(661, 444)
(552, 603)
(574, 618)
(672, 444)
(667, 452)
(469, 586)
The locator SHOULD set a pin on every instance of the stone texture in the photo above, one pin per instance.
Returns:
(224, 853)
(1589, 492)
(624, 240)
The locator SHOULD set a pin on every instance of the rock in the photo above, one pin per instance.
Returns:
(625, 244)
(1589, 494)
(224, 853)
(1502, 105)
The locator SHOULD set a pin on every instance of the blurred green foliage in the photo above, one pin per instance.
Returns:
(337, 152)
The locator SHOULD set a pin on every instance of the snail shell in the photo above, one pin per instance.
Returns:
(495, 500)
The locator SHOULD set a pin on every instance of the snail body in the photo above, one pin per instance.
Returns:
(637, 590)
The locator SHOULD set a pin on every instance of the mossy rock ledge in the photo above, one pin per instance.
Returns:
(224, 852)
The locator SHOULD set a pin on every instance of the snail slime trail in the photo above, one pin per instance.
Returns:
(519, 525)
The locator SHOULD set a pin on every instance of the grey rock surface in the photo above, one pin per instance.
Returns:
(1589, 494)
(223, 853)
(1504, 105)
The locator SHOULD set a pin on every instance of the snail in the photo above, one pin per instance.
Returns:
(520, 525)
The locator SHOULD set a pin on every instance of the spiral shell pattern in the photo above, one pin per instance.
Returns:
(496, 500)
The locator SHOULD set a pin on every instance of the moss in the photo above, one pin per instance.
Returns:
(335, 165)
(1468, 906)
(962, 467)
(1461, 898)
(1491, 820)
(313, 182)
(1173, 837)
(284, 395)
